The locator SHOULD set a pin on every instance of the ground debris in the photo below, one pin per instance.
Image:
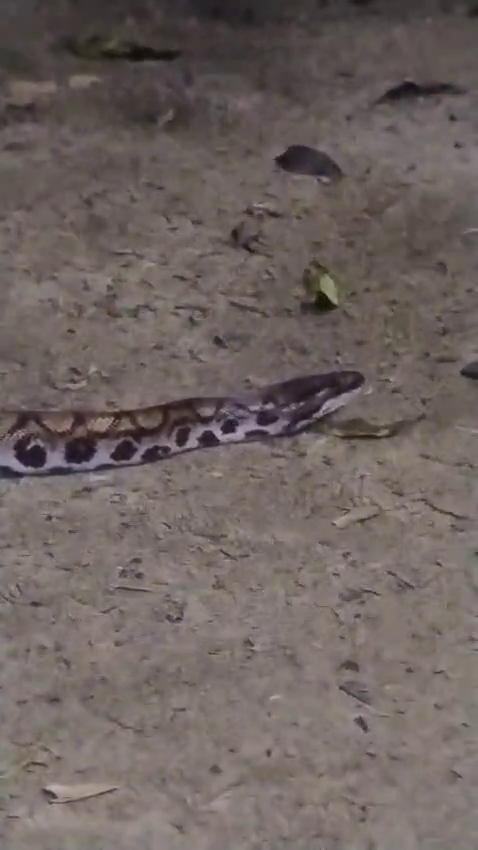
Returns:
(302, 159)
(354, 688)
(361, 514)
(247, 235)
(360, 429)
(470, 370)
(58, 793)
(410, 90)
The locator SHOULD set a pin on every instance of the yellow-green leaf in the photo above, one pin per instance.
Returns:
(320, 286)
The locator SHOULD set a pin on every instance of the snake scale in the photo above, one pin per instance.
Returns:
(68, 441)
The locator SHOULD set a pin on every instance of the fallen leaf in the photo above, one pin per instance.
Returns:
(166, 118)
(247, 307)
(263, 208)
(360, 429)
(302, 159)
(352, 594)
(320, 287)
(357, 515)
(82, 791)
(26, 92)
(470, 370)
(83, 81)
(409, 90)
(350, 664)
(99, 47)
(135, 588)
(361, 723)
(221, 803)
(69, 385)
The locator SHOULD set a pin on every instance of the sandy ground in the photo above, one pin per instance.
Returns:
(193, 632)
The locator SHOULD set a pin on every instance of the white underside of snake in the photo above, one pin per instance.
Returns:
(67, 441)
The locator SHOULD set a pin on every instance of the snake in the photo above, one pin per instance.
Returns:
(53, 442)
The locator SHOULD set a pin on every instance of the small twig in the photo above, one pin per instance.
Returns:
(248, 308)
(357, 691)
(440, 510)
(404, 581)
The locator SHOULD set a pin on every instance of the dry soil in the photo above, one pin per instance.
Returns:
(200, 633)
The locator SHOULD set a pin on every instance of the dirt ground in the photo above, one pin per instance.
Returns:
(194, 632)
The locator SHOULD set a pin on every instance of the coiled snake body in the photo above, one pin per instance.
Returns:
(48, 443)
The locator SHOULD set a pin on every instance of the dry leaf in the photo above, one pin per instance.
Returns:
(166, 117)
(409, 90)
(263, 208)
(247, 307)
(470, 370)
(302, 159)
(98, 47)
(26, 92)
(83, 81)
(357, 515)
(360, 429)
(82, 791)
(361, 723)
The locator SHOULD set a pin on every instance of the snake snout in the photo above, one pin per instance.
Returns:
(315, 387)
(321, 395)
(348, 381)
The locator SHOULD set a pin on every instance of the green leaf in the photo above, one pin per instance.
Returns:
(320, 287)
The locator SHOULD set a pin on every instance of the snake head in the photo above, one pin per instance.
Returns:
(290, 407)
(301, 401)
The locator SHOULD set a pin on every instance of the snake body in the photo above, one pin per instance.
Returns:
(68, 441)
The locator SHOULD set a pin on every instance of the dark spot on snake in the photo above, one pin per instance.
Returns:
(266, 417)
(80, 450)
(208, 439)
(229, 426)
(32, 456)
(124, 451)
(154, 453)
(256, 433)
(182, 436)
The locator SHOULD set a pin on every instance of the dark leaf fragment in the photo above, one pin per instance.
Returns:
(247, 235)
(301, 159)
(98, 47)
(410, 90)
(361, 723)
(470, 370)
(356, 690)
